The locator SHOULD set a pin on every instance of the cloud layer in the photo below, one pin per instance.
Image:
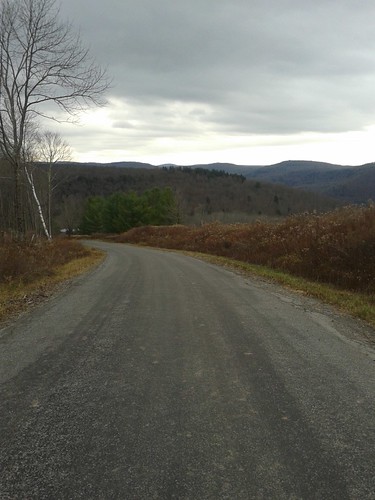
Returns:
(209, 71)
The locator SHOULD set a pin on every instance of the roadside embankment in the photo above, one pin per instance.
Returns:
(31, 271)
(331, 256)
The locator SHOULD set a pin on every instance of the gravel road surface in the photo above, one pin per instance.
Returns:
(161, 376)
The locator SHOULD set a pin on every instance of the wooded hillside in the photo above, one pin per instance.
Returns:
(200, 194)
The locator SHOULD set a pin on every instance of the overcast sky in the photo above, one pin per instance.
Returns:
(242, 81)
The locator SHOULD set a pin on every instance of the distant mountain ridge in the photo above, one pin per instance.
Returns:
(349, 184)
(202, 194)
(345, 183)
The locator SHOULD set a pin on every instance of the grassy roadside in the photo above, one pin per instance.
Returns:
(18, 295)
(359, 305)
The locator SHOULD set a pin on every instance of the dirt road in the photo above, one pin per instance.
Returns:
(160, 376)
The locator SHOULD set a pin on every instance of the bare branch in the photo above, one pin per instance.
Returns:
(42, 60)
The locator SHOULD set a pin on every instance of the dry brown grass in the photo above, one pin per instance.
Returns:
(26, 262)
(337, 248)
(29, 272)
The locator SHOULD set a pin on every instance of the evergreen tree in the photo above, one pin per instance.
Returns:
(92, 220)
(120, 212)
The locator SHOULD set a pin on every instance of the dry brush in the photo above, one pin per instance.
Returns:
(336, 248)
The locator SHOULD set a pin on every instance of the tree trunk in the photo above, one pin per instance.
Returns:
(18, 206)
(30, 179)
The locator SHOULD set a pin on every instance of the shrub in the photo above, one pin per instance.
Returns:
(25, 262)
(336, 248)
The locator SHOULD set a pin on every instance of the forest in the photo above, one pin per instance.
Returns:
(200, 195)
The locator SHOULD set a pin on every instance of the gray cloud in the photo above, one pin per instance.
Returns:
(239, 66)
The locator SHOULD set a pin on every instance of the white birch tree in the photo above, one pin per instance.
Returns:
(51, 149)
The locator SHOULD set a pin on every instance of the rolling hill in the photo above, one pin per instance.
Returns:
(348, 184)
(202, 194)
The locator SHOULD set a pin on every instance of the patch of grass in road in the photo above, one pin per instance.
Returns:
(17, 296)
(356, 304)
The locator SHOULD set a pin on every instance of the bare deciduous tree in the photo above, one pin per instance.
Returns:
(28, 158)
(42, 62)
(52, 148)
(30, 179)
